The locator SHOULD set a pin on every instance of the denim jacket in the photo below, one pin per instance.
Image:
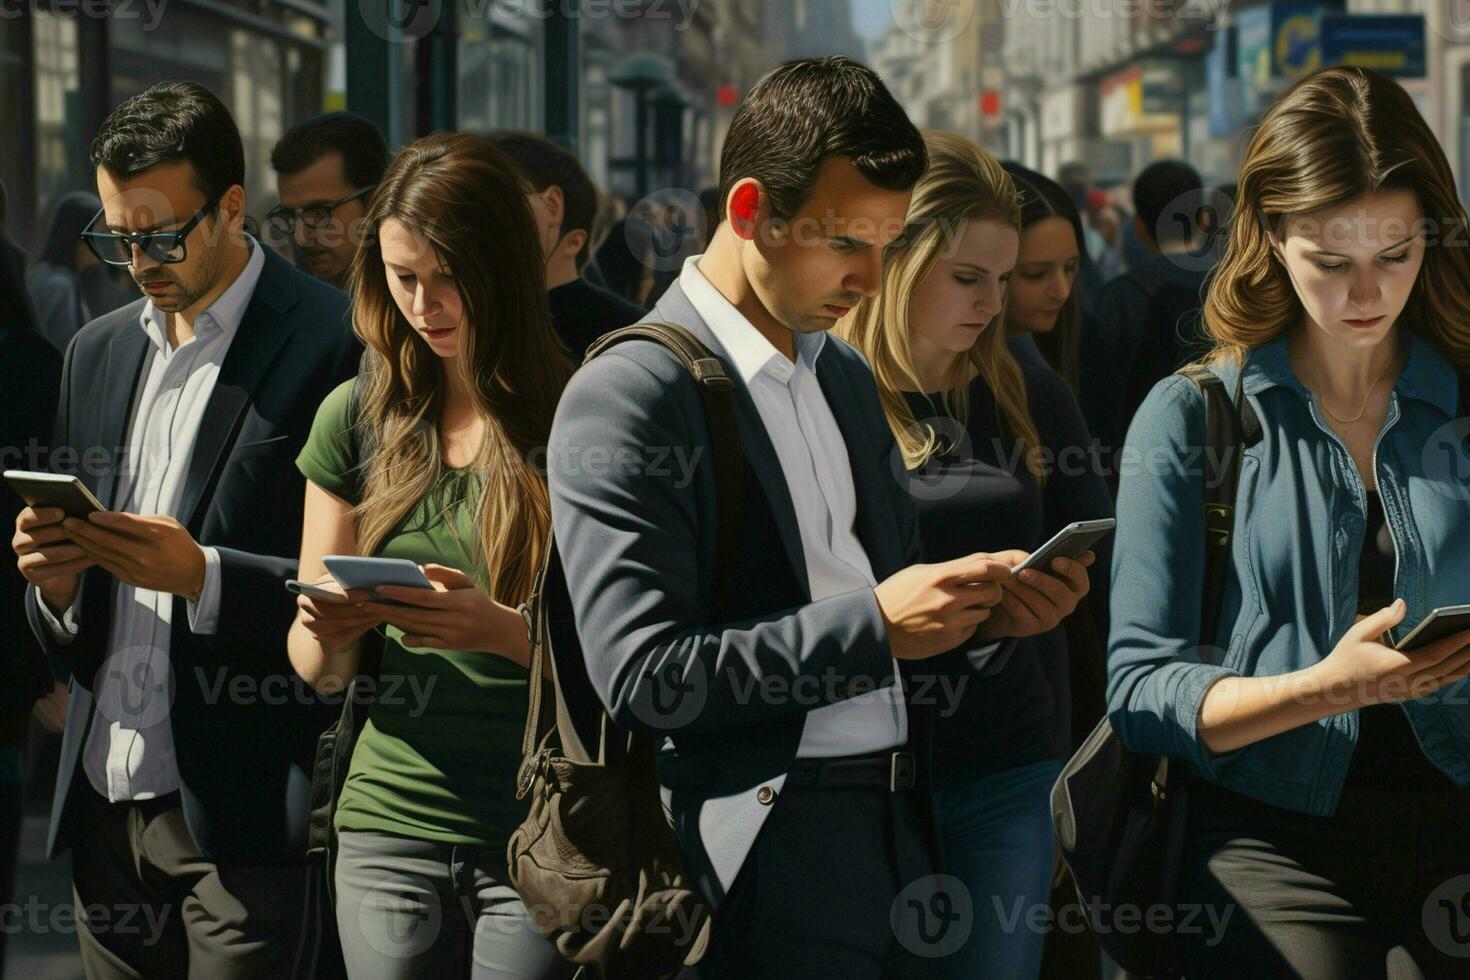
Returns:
(1292, 588)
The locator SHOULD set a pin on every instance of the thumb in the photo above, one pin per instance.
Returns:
(446, 575)
(1387, 617)
(977, 567)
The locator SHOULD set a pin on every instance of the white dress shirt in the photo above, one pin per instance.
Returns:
(814, 460)
(129, 754)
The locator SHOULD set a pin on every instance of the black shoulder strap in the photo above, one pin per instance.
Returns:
(718, 392)
(1228, 432)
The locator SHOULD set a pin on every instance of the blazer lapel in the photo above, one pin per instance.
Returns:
(121, 369)
(258, 339)
(675, 307)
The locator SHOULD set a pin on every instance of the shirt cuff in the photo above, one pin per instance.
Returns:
(980, 657)
(204, 614)
(61, 631)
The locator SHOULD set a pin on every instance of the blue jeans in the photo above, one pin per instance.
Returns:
(996, 835)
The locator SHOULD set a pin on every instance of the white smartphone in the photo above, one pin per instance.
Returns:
(1442, 622)
(313, 591)
(54, 490)
(354, 572)
(1070, 542)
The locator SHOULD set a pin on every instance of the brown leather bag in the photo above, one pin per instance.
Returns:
(596, 860)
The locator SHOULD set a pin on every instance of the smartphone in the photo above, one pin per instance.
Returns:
(54, 490)
(352, 572)
(1070, 542)
(314, 591)
(1442, 622)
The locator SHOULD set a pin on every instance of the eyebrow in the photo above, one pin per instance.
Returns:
(156, 226)
(1390, 248)
(854, 242)
(971, 265)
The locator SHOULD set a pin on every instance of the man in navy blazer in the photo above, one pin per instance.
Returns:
(783, 725)
(186, 759)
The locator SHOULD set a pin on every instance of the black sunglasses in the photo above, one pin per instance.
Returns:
(318, 216)
(116, 249)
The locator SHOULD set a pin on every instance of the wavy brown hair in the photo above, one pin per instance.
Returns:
(962, 182)
(1332, 138)
(468, 201)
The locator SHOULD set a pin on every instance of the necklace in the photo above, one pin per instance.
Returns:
(1364, 406)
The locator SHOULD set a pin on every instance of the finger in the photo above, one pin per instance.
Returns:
(979, 567)
(47, 572)
(427, 598)
(53, 553)
(1443, 648)
(1074, 575)
(46, 534)
(444, 573)
(1375, 625)
(99, 552)
(1055, 591)
(1086, 559)
(121, 523)
(1021, 608)
(88, 533)
(415, 640)
(1444, 666)
(33, 517)
(405, 618)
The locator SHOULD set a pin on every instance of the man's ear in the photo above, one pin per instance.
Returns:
(744, 207)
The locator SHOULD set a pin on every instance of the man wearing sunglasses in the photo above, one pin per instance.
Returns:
(326, 169)
(185, 762)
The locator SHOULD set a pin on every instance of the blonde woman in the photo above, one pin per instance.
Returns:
(426, 456)
(996, 458)
(1329, 799)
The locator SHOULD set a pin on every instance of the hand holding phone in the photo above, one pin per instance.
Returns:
(67, 493)
(1440, 623)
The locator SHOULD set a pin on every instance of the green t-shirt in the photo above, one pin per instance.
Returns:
(438, 754)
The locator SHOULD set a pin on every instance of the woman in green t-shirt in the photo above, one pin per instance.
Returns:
(426, 456)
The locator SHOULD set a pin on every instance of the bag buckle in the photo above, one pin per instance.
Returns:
(901, 771)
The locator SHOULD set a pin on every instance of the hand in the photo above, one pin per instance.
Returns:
(1371, 672)
(931, 609)
(336, 624)
(50, 711)
(45, 556)
(455, 615)
(1036, 601)
(147, 552)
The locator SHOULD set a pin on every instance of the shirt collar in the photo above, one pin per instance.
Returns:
(1426, 375)
(227, 310)
(746, 346)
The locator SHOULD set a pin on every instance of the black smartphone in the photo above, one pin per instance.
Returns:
(54, 490)
(1442, 622)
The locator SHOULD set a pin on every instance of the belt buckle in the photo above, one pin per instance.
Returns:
(901, 773)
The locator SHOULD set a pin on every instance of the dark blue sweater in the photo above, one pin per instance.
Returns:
(982, 497)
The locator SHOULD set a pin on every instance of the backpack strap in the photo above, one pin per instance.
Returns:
(1231, 424)
(717, 390)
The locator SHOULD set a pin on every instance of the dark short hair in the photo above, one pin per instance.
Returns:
(801, 112)
(173, 121)
(362, 148)
(1157, 193)
(545, 165)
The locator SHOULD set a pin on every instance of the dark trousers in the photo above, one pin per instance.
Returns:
(1379, 889)
(150, 905)
(839, 883)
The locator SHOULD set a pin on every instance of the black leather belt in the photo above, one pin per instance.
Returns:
(893, 772)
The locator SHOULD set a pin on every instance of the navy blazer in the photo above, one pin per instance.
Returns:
(632, 503)
(244, 725)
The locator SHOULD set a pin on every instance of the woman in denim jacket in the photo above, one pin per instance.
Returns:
(1327, 833)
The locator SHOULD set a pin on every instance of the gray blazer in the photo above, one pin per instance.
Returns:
(632, 503)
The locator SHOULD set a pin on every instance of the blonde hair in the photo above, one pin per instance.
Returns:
(467, 199)
(1332, 138)
(962, 182)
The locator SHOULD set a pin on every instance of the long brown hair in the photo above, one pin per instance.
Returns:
(962, 182)
(466, 198)
(1332, 138)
